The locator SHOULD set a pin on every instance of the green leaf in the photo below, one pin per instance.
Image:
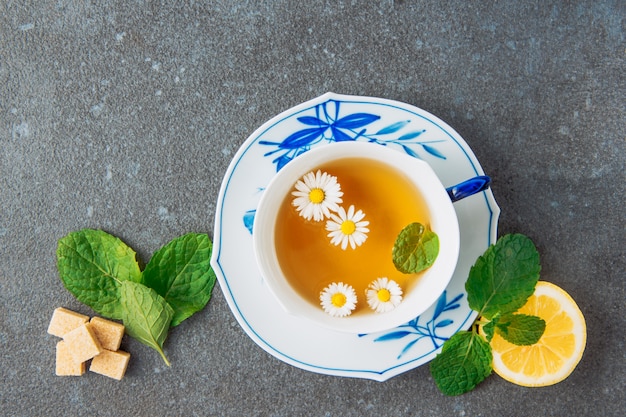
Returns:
(490, 329)
(415, 249)
(181, 273)
(463, 363)
(521, 329)
(92, 264)
(146, 315)
(504, 277)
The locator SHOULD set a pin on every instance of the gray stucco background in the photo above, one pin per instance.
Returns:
(124, 115)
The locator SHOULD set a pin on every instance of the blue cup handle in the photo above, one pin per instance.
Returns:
(468, 188)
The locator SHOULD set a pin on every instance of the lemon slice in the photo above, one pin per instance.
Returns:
(556, 354)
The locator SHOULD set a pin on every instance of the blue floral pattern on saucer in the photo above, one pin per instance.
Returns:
(327, 123)
(421, 329)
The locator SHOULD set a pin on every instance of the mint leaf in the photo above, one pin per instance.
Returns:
(146, 315)
(490, 329)
(92, 265)
(181, 273)
(415, 249)
(463, 363)
(504, 277)
(521, 329)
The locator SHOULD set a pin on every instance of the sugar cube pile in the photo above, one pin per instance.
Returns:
(96, 340)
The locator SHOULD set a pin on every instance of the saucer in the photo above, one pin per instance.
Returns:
(323, 120)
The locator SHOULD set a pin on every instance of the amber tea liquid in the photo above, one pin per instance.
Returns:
(390, 202)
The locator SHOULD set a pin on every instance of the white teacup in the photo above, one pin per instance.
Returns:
(418, 297)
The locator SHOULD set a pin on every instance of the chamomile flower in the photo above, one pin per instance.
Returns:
(383, 295)
(338, 299)
(347, 228)
(316, 195)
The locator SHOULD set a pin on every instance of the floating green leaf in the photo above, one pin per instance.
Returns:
(504, 277)
(463, 363)
(415, 249)
(181, 273)
(146, 315)
(92, 265)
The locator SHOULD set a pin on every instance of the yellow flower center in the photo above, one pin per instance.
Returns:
(383, 295)
(348, 227)
(338, 299)
(316, 195)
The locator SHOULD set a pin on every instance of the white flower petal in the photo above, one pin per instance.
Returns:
(358, 216)
(350, 214)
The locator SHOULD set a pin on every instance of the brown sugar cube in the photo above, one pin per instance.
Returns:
(82, 343)
(64, 321)
(66, 365)
(109, 333)
(111, 364)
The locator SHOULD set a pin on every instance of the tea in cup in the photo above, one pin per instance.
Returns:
(327, 224)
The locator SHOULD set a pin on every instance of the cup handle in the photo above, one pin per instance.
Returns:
(468, 188)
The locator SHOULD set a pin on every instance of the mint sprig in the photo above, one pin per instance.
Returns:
(102, 272)
(499, 284)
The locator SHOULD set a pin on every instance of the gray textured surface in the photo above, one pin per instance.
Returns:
(124, 116)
